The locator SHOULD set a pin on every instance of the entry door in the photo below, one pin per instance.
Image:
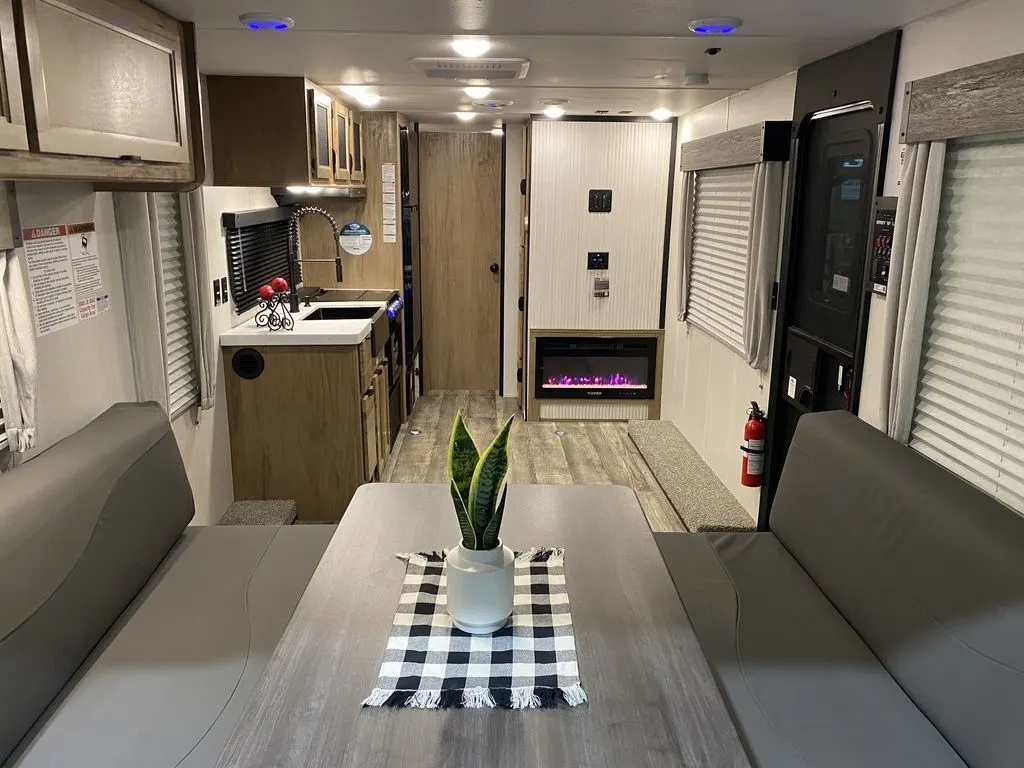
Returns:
(460, 223)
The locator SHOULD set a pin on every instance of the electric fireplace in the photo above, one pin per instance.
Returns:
(584, 368)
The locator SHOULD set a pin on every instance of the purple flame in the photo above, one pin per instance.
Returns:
(612, 380)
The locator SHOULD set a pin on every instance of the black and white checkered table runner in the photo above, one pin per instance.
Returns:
(530, 663)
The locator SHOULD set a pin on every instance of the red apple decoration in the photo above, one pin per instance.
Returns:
(266, 292)
(279, 284)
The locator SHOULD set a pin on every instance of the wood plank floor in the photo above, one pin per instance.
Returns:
(557, 453)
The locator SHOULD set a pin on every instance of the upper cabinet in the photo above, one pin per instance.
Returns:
(282, 131)
(13, 134)
(357, 159)
(343, 156)
(321, 137)
(98, 90)
(106, 80)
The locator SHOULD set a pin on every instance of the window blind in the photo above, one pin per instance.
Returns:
(719, 252)
(179, 351)
(256, 255)
(969, 414)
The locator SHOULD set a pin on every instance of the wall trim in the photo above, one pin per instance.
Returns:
(970, 101)
(667, 253)
(763, 142)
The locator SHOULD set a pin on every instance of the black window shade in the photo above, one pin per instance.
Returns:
(257, 254)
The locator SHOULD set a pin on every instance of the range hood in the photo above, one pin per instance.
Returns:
(299, 194)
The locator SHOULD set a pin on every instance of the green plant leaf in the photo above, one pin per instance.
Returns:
(469, 539)
(462, 458)
(490, 538)
(487, 479)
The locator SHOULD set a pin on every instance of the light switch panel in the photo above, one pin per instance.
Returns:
(597, 260)
(601, 287)
(600, 201)
(217, 300)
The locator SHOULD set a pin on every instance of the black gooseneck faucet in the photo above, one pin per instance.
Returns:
(293, 251)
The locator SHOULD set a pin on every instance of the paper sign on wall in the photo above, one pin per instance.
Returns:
(355, 238)
(389, 202)
(64, 276)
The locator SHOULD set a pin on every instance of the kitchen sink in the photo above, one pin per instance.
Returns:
(342, 313)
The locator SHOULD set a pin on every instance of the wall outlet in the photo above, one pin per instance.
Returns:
(600, 201)
(224, 289)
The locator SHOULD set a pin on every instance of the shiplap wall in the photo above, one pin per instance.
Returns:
(568, 159)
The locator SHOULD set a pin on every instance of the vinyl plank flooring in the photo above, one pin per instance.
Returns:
(588, 453)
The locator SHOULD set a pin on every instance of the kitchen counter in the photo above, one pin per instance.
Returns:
(306, 332)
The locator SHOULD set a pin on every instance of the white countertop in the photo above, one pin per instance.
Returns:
(305, 332)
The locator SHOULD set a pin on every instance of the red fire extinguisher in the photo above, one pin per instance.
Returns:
(753, 447)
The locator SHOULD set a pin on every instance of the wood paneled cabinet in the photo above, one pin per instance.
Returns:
(97, 89)
(282, 131)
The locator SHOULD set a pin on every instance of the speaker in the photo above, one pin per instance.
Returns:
(248, 363)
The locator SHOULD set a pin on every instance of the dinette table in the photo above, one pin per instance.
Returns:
(652, 698)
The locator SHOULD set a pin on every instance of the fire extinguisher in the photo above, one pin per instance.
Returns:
(753, 447)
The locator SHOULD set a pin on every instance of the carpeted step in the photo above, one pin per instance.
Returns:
(699, 497)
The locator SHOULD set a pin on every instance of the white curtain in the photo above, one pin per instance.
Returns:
(766, 215)
(201, 301)
(689, 178)
(141, 271)
(909, 280)
(18, 371)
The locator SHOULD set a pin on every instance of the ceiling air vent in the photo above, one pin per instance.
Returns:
(471, 69)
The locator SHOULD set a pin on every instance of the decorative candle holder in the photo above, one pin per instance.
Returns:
(273, 313)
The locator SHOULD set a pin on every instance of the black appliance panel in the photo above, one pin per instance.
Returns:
(880, 243)
(582, 368)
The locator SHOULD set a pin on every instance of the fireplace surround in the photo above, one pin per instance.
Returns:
(595, 368)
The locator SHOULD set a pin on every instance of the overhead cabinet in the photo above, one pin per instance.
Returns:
(97, 89)
(283, 131)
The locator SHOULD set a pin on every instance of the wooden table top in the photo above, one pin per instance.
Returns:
(652, 698)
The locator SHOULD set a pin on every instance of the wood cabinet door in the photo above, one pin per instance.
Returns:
(355, 142)
(342, 151)
(369, 408)
(321, 135)
(107, 79)
(13, 134)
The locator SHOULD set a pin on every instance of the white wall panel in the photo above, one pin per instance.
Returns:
(968, 34)
(706, 386)
(568, 159)
(513, 218)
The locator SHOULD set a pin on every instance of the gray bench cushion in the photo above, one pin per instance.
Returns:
(928, 569)
(698, 496)
(82, 527)
(802, 688)
(168, 682)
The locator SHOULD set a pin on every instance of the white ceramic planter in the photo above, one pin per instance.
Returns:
(481, 584)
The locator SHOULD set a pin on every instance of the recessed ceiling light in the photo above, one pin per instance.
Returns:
(465, 116)
(362, 94)
(497, 132)
(263, 22)
(718, 26)
(477, 91)
(553, 111)
(661, 113)
(471, 47)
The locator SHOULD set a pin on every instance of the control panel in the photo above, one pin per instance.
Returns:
(883, 225)
(599, 201)
(597, 260)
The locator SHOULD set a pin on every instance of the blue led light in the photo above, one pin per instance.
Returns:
(714, 29)
(264, 22)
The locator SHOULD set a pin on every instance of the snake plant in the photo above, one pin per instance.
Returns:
(476, 484)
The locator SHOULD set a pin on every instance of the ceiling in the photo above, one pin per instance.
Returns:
(598, 54)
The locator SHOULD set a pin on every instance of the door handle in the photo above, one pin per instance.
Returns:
(494, 268)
